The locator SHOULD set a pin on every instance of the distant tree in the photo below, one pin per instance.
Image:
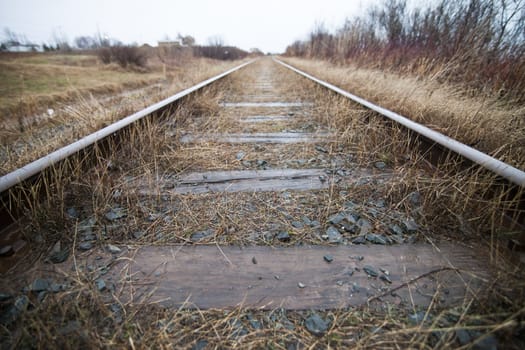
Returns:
(11, 38)
(188, 40)
(85, 42)
(61, 41)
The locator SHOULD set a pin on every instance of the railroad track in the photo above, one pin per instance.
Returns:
(261, 199)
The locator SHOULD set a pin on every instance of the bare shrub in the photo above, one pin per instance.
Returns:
(477, 42)
(123, 55)
(104, 54)
(219, 52)
(128, 55)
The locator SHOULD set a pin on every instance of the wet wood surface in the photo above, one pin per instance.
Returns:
(256, 181)
(266, 104)
(278, 137)
(300, 277)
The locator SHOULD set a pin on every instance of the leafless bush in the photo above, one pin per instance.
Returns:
(104, 54)
(478, 42)
(128, 55)
(123, 55)
(219, 52)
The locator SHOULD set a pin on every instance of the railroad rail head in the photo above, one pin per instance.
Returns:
(507, 171)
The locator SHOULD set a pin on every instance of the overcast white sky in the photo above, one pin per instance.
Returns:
(270, 25)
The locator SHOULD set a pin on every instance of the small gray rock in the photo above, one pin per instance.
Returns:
(306, 220)
(417, 317)
(261, 163)
(256, 324)
(240, 156)
(101, 284)
(39, 285)
(352, 218)
(380, 165)
(200, 345)
(333, 235)
(328, 258)
(359, 240)
(72, 213)
(349, 205)
(397, 239)
(316, 325)
(283, 236)
(297, 224)
(59, 257)
(463, 336)
(138, 234)
(396, 229)
(315, 224)
(415, 198)
(489, 342)
(386, 279)
(115, 214)
(55, 287)
(370, 271)
(6, 250)
(364, 226)
(5, 297)
(246, 163)
(410, 225)
(336, 218)
(376, 238)
(321, 149)
(200, 235)
(113, 249)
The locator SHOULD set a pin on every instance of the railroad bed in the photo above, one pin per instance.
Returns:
(263, 192)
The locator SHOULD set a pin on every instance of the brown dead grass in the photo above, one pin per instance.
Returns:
(452, 208)
(24, 141)
(481, 122)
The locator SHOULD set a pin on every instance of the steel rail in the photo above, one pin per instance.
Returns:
(11, 179)
(503, 169)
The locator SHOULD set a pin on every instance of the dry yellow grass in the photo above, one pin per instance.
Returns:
(83, 100)
(482, 122)
(89, 318)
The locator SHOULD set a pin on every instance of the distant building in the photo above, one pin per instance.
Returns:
(168, 43)
(18, 47)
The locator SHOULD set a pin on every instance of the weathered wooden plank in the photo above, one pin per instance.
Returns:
(266, 104)
(262, 175)
(264, 118)
(279, 137)
(300, 277)
(251, 181)
(255, 180)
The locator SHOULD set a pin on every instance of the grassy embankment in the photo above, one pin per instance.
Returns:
(84, 95)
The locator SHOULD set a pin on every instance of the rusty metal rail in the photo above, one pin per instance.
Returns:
(498, 167)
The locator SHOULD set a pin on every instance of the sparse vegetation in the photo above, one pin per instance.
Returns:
(83, 96)
(124, 55)
(94, 318)
(385, 58)
(478, 43)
